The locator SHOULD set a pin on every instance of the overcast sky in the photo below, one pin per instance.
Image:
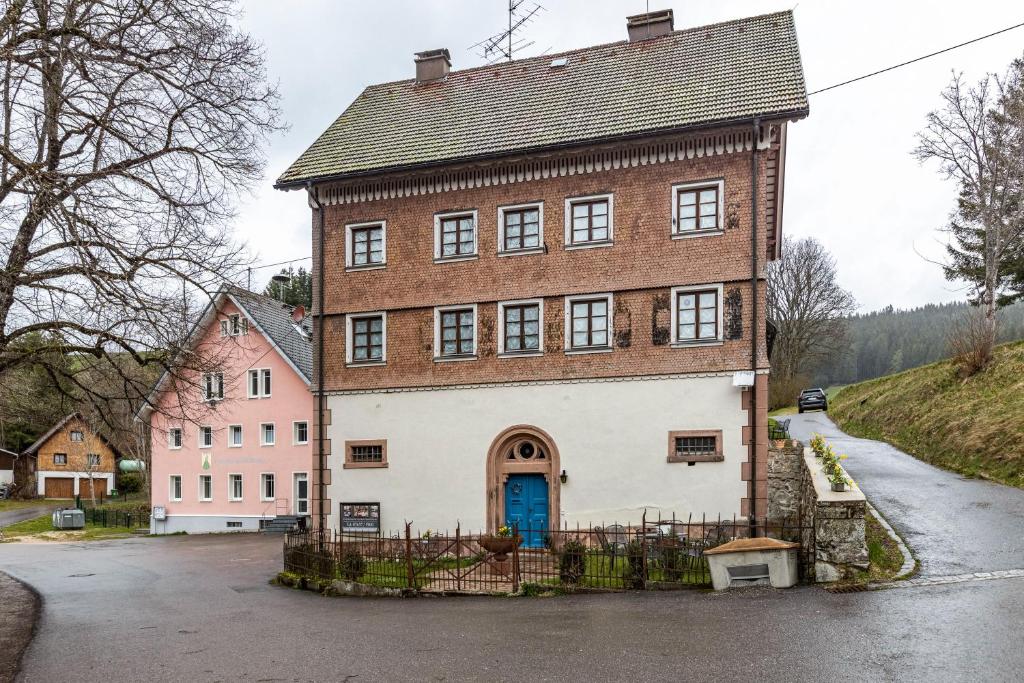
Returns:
(851, 181)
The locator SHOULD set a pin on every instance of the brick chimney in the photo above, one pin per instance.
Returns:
(432, 65)
(650, 25)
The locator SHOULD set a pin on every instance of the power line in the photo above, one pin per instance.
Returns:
(281, 263)
(916, 59)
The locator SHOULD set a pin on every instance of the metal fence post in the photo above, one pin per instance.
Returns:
(643, 548)
(409, 575)
(458, 557)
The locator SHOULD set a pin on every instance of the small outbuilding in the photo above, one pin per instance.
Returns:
(72, 459)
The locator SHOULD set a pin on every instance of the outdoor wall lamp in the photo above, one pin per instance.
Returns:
(563, 477)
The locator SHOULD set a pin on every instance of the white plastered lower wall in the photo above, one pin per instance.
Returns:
(612, 437)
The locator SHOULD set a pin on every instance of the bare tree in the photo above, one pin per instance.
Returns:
(977, 136)
(808, 308)
(129, 129)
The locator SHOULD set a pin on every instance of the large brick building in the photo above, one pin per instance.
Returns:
(543, 280)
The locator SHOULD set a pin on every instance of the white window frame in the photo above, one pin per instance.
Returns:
(231, 487)
(202, 498)
(170, 488)
(170, 438)
(569, 201)
(263, 434)
(241, 434)
(539, 249)
(438, 217)
(263, 487)
(349, 227)
(438, 311)
(674, 230)
(81, 436)
(501, 329)
(263, 377)
(572, 351)
(384, 339)
(234, 325)
(295, 432)
(89, 459)
(200, 436)
(684, 343)
(218, 383)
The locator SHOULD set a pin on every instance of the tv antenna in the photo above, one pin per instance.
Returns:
(505, 45)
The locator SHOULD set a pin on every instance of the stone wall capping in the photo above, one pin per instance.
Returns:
(823, 489)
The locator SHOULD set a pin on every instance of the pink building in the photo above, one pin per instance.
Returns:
(231, 447)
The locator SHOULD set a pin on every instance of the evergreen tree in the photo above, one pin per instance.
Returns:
(297, 291)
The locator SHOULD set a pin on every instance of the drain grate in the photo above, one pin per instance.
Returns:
(850, 588)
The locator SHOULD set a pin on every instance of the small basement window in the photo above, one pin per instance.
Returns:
(234, 525)
(692, 446)
(366, 453)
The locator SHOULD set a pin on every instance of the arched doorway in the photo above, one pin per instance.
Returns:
(522, 482)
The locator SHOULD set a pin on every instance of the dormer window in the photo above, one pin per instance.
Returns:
(589, 221)
(455, 236)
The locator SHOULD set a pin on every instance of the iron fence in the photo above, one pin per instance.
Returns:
(660, 554)
(131, 518)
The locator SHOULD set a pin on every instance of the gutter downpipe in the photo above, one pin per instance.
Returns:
(754, 331)
(320, 455)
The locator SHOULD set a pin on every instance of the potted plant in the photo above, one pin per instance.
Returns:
(818, 445)
(501, 543)
(838, 480)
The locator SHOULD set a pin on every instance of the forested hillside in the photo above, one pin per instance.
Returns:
(888, 341)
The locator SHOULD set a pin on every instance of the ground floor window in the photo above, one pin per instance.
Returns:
(267, 486)
(235, 486)
(205, 487)
(693, 446)
(175, 492)
(371, 453)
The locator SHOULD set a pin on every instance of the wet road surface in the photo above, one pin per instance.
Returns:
(199, 609)
(952, 524)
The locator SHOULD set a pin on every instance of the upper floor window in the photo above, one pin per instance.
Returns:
(455, 235)
(267, 435)
(588, 323)
(213, 386)
(60, 458)
(588, 221)
(520, 228)
(697, 314)
(93, 460)
(76, 435)
(234, 325)
(259, 383)
(234, 436)
(206, 437)
(367, 338)
(455, 332)
(697, 208)
(174, 437)
(520, 327)
(365, 245)
(300, 432)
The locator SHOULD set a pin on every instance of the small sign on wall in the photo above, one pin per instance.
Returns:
(361, 517)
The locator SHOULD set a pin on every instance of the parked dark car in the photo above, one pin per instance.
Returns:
(812, 399)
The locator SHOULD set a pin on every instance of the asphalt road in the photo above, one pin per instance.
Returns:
(200, 609)
(953, 524)
(13, 516)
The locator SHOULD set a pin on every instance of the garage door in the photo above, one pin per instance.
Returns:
(85, 486)
(59, 487)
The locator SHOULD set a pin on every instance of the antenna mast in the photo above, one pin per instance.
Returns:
(505, 45)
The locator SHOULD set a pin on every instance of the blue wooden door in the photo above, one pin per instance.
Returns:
(526, 506)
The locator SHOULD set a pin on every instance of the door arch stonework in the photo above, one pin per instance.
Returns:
(510, 454)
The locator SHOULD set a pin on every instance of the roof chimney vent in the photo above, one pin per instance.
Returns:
(650, 25)
(432, 65)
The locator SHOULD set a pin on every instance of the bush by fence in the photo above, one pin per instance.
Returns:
(662, 554)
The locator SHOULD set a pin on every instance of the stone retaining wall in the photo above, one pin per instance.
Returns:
(797, 487)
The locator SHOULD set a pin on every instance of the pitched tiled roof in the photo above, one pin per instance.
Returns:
(275, 320)
(702, 76)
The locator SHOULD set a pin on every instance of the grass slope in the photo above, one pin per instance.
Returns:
(973, 426)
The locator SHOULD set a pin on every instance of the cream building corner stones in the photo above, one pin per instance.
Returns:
(540, 284)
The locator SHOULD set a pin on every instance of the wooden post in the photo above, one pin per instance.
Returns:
(409, 575)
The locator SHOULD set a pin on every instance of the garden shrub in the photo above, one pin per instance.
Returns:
(572, 562)
(129, 483)
(352, 566)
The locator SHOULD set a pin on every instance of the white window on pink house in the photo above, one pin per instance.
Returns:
(175, 487)
(205, 487)
(267, 436)
(300, 433)
(174, 438)
(235, 436)
(206, 437)
(267, 486)
(235, 487)
(213, 386)
(259, 383)
(233, 326)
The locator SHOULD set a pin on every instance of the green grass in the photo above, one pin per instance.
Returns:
(883, 553)
(42, 525)
(973, 426)
(20, 504)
